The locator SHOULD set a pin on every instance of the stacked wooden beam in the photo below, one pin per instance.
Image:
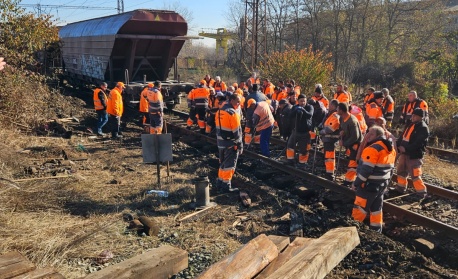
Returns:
(275, 257)
(16, 266)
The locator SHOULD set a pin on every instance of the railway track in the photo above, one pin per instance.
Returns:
(400, 212)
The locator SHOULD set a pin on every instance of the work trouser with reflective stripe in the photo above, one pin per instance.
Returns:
(412, 167)
(302, 140)
(329, 156)
(155, 122)
(228, 160)
(201, 111)
(369, 202)
(350, 176)
(192, 117)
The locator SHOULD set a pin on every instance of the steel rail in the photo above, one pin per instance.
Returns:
(400, 213)
(431, 188)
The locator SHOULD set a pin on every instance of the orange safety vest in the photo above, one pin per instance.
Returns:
(280, 95)
(266, 119)
(97, 102)
(322, 100)
(115, 105)
(210, 82)
(221, 86)
(332, 124)
(373, 111)
(342, 97)
(253, 81)
(269, 89)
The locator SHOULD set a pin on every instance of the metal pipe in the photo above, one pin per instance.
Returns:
(202, 186)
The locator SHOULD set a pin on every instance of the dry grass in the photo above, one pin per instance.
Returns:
(435, 167)
(66, 223)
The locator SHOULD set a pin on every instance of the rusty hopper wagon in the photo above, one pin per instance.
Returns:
(132, 47)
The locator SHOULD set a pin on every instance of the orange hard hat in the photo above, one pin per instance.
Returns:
(120, 84)
(203, 82)
(235, 84)
(251, 102)
(150, 85)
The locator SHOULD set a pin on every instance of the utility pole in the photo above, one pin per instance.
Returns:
(253, 33)
(120, 6)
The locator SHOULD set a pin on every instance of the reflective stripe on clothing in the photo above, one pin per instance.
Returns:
(342, 97)
(155, 100)
(322, 100)
(376, 164)
(367, 202)
(228, 126)
(412, 167)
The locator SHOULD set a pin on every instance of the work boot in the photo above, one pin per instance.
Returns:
(116, 136)
(100, 134)
(400, 190)
(291, 162)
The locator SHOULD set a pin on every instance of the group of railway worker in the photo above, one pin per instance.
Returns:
(361, 130)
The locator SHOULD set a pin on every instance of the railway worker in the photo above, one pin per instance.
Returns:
(238, 90)
(374, 174)
(301, 121)
(381, 122)
(100, 105)
(155, 108)
(279, 94)
(374, 108)
(319, 112)
(350, 138)
(387, 107)
(250, 132)
(243, 86)
(216, 102)
(219, 85)
(268, 87)
(257, 95)
(115, 109)
(358, 113)
(283, 120)
(143, 108)
(341, 95)
(319, 96)
(367, 97)
(198, 101)
(412, 146)
(263, 121)
(292, 98)
(329, 136)
(412, 103)
(350, 97)
(209, 81)
(229, 140)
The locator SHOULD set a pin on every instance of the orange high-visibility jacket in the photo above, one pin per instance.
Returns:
(115, 105)
(98, 104)
(373, 111)
(323, 100)
(220, 86)
(342, 97)
(228, 126)
(376, 165)
(280, 95)
(269, 89)
(210, 82)
(143, 106)
(199, 97)
(155, 100)
(331, 126)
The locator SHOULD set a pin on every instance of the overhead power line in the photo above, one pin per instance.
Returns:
(65, 7)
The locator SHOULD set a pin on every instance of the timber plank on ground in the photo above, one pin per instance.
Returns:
(158, 263)
(246, 262)
(321, 256)
(13, 265)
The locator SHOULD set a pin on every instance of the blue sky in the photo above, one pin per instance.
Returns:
(205, 13)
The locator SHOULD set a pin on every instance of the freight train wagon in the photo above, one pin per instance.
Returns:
(134, 47)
